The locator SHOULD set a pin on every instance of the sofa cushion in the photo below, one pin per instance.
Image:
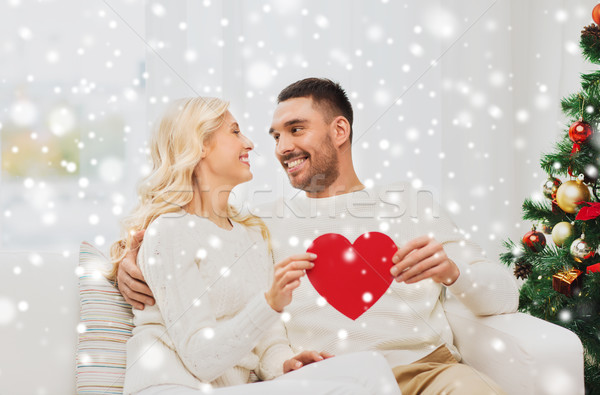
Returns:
(106, 322)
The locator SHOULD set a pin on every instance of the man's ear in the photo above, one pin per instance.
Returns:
(341, 128)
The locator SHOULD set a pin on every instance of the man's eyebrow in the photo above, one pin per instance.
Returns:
(290, 123)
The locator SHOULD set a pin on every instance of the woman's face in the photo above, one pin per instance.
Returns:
(226, 159)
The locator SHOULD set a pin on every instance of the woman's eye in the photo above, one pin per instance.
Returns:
(236, 132)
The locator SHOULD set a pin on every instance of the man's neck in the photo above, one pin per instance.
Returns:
(338, 187)
(346, 182)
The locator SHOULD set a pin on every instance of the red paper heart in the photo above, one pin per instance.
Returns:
(352, 277)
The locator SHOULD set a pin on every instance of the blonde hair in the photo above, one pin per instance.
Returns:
(177, 143)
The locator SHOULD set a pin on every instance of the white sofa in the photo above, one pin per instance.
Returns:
(39, 315)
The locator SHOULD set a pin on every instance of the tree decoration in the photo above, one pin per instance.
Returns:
(567, 281)
(593, 268)
(581, 250)
(570, 193)
(522, 269)
(590, 174)
(591, 210)
(535, 241)
(596, 14)
(579, 133)
(561, 232)
(550, 187)
(545, 227)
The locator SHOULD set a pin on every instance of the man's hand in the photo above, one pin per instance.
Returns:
(423, 258)
(130, 280)
(304, 358)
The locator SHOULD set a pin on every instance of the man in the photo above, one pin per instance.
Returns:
(312, 129)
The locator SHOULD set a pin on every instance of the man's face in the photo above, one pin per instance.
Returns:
(304, 145)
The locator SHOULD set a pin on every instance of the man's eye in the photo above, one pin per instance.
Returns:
(236, 131)
(294, 130)
(276, 138)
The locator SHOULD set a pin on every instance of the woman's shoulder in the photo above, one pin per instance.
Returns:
(164, 236)
(182, 224)
(253, 231)
(174, 230)
(166, 222)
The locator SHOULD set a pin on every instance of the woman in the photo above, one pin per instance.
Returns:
(217, 316)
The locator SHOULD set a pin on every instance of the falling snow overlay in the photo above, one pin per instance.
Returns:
(83, 82)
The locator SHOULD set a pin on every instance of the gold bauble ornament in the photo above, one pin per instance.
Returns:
(571, 192)
(561, 232)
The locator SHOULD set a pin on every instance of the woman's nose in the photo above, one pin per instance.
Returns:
(248, 144)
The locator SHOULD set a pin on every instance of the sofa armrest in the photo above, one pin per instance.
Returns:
(523, 354)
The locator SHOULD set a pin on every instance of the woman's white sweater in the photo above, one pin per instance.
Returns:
(211, 323)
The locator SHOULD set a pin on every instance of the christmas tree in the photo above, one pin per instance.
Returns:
(562, 278)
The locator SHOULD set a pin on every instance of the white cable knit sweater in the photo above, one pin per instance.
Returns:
(211, 322)
(408, 322)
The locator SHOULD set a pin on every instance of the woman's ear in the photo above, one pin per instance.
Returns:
(206, 147)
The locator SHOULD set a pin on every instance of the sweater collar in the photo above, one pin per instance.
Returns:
(333, 204)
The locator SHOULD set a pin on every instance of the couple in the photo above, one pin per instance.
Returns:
(216, 316)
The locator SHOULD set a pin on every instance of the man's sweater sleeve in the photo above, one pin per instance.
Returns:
(207, 348)
(485, 287)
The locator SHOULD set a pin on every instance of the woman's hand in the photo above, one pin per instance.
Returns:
(287, 278)
(304, 358)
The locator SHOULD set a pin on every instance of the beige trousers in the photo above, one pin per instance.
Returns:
(439, 373)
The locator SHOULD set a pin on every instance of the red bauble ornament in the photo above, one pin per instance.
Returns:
(579, 133)
(534, 240)
(596, 14)
(352, 277)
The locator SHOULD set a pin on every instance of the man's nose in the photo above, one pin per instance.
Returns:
(284, 145)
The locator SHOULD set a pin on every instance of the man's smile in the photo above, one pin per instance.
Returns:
(295, 164)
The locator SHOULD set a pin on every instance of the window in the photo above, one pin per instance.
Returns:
(73, 122)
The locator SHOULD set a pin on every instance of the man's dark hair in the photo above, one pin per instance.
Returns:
(329, 96)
